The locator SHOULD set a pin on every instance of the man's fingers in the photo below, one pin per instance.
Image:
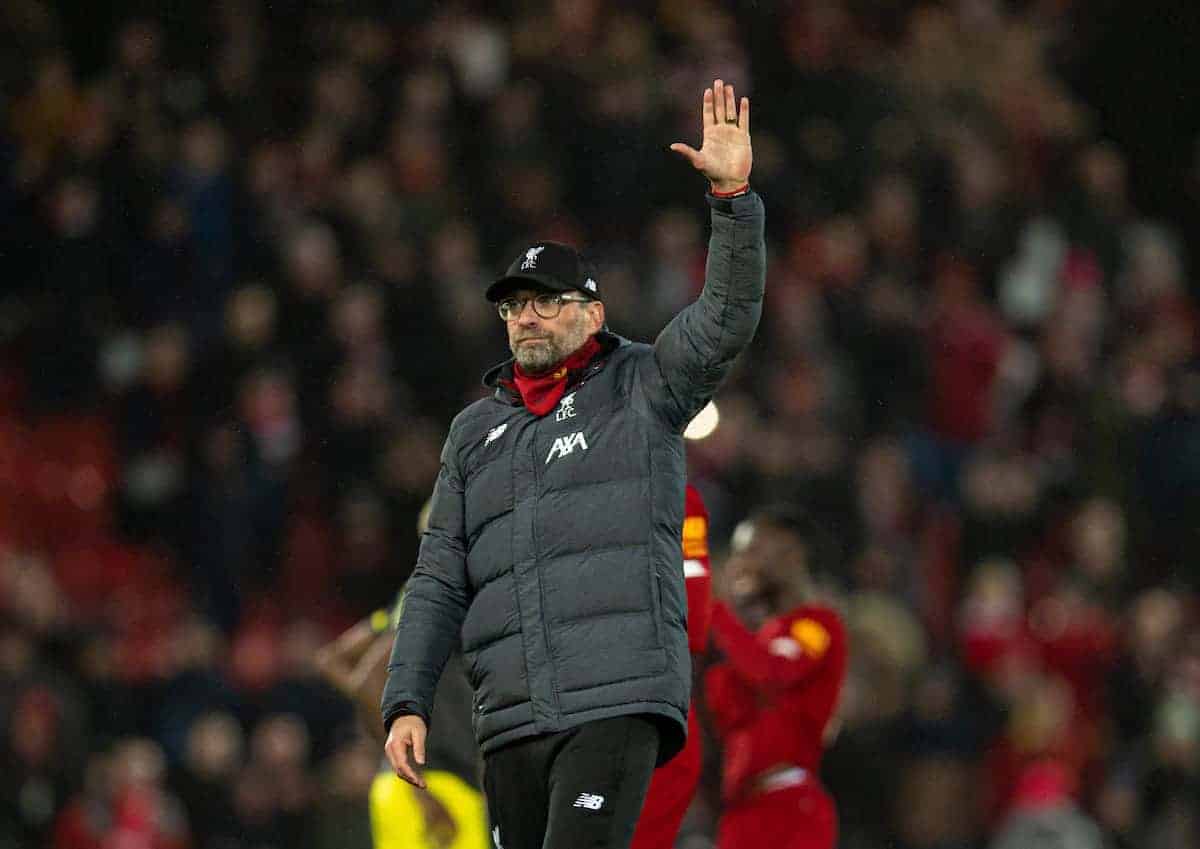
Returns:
(406, 771)
(689, 153)
(744, 117)
(418, 741)
(730, 104)
(718, 101)
(398, 755)
(707, 115)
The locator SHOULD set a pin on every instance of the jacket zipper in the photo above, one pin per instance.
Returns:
(537, 566)
(537, 478)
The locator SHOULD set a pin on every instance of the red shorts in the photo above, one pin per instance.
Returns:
(670, 795)
(796, 817)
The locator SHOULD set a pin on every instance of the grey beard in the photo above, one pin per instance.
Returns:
(539, 358)
(543, 357)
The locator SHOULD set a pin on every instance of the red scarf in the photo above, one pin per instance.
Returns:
(541, 392)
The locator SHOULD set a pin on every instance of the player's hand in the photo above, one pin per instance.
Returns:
(407, 732)
(440, 827)
(735, 583)
(725, 156)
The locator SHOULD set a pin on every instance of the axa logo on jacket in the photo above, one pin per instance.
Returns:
(564, 445)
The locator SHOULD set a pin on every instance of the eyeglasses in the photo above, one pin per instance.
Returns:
(545, 305)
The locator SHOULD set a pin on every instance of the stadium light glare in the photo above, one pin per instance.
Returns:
(704, 423)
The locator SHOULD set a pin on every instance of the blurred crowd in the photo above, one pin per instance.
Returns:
(244, 262)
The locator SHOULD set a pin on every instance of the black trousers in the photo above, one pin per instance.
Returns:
(581, 788)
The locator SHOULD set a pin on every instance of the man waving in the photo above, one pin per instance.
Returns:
(553, 546)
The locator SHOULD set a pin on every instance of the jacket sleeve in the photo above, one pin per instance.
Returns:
(433, 603)
(697, 348)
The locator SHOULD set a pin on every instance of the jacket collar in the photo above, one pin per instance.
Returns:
(609, 342)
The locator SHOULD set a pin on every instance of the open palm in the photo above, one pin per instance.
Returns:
(725, 156)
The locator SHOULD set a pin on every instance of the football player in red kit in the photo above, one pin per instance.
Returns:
(674, 784)
(774, 696)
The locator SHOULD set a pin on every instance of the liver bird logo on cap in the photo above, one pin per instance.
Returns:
(531, 257)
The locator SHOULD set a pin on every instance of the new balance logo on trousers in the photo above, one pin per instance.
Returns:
(590, 801)
(583, 786)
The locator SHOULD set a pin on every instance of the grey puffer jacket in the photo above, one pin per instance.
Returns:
(553, 545)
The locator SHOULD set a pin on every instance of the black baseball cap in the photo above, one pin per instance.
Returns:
(547, 265)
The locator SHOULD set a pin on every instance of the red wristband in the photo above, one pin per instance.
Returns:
(738, 191)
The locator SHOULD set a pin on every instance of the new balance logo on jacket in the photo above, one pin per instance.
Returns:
(564, 445)
(494, 434)
(590, 801)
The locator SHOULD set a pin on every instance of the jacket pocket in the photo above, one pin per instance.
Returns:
(606, 650)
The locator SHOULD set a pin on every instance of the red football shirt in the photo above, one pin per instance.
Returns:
(696, 575)
(776, 692)
(674, 784)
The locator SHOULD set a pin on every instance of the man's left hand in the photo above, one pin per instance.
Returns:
(725, 156)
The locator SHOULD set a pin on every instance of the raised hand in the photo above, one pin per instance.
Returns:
(725, 156)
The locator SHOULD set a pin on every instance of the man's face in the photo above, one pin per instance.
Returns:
(765, 561)
(539, 344)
